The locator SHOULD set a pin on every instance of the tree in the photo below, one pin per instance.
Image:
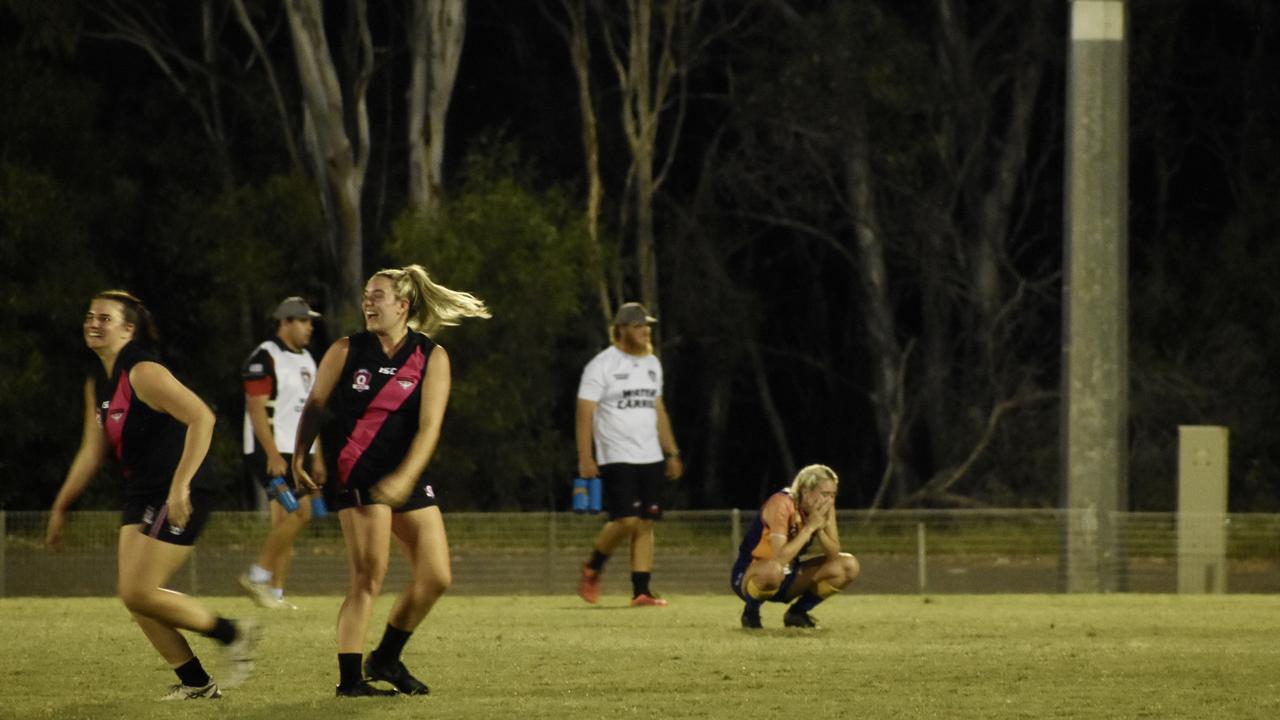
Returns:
(650, 55)
(436, 31)
(337, 133)
(890, 171)
(520, 249)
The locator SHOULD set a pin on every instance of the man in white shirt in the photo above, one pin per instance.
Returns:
(277, 378)
(621, 415)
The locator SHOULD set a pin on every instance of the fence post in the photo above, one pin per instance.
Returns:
(4, 541)
(735, 529)
(922, 573)
(551, 551)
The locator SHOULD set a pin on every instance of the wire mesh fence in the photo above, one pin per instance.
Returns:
(962, 551)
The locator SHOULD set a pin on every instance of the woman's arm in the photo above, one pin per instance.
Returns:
(154, 385)
(394, 489)
(829, 536)
(784, 550)
(90, 456)
(330, 368)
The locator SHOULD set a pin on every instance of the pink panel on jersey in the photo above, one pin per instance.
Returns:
(388, 400)
(117, 413)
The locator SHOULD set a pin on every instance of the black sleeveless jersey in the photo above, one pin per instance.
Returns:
(372, 413)
(145, 442)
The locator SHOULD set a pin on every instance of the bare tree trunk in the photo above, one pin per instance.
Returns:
(878, 312)
(717, 421)
(286, 124)
(646, 85)
(777, 427)
(996, 209)
(345, 161)
(436, 32)
(576, 37)
(137, 26)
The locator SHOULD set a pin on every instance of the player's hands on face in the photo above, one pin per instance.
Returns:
(819, 513)
(276, 466)
(179, 505)
(53, 533)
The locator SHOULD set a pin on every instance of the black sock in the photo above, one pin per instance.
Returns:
(224, 631)
(597, 560)
(191, 673)
(805, 603)
(393, 640)
(349, 673)
(640, 584)
(753, 606)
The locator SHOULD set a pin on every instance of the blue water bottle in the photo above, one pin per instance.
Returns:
(593, 495)
(279, 491)
(318, 509)
(580, 498)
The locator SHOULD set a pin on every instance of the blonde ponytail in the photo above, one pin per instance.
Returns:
(431, 305)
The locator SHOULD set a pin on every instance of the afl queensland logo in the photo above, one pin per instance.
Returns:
(360, 381)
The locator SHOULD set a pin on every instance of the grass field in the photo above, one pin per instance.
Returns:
(993, 656)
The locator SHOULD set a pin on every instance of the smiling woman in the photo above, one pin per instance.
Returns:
(378, 405)
(159, 433)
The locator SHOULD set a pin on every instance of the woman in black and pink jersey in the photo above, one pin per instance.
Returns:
(377, 405)
(158, 431)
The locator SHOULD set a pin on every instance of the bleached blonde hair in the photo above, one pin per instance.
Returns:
(431, 305)
(809, 477)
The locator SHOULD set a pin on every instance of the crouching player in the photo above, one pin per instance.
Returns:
(768, 566)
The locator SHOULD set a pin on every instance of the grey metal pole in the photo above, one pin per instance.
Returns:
(922, 571)
(553, 544)
(4, 540)
(1095, 344)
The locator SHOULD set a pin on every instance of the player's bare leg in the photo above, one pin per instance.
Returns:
(642, 543)
(421, 536)
(276, 554)
(606, 541)
(144, 566)
(367, 532)
(816, 580)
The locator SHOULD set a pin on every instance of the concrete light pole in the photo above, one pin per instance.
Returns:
(1095, 345)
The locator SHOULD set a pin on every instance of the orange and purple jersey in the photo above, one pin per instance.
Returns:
(778, 516)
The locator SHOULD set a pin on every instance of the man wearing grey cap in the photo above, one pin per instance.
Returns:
(621, 416)
(277, 378)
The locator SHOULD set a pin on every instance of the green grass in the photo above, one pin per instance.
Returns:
(998, 656)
